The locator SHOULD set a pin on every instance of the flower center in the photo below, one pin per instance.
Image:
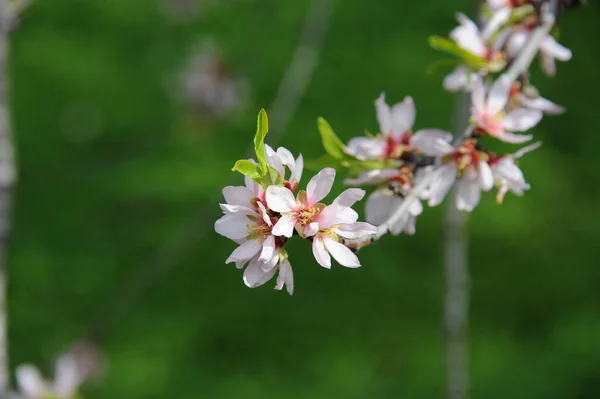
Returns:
(394, 148)
(466, 157)
(307, 215)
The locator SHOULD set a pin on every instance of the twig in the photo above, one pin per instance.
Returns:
(292, 88)
(7, 178)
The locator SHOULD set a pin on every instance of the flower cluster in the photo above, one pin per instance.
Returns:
(269, 209)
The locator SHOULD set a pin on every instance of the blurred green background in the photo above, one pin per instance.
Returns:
(118, 178)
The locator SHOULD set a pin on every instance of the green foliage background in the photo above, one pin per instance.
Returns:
(114, 179)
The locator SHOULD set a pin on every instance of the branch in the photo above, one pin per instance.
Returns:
(7, 178)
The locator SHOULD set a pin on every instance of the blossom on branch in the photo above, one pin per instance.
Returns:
(550, 49)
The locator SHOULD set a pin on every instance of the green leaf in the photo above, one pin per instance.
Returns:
(332, 143)
(272, 178)
(262, 129)
(451, 47)
(437, 65)
(249, 169)
(326, 161)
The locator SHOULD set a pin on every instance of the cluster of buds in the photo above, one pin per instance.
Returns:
(268, 210)
(405, 166)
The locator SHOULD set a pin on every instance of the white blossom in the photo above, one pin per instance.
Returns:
(550, 49)
(508, 176)
(383, 203)
(67, 380)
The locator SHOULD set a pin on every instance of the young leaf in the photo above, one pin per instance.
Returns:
(450, 46)
(437, 65)
(249, 169)
(332, 143)
(272, 178)
(262, 129)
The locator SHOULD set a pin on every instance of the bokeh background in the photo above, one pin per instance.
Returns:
(121, 167)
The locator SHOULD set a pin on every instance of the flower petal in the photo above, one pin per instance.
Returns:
(246, 251)
(403, 115)
(349, 197)
(443, 180)
(365, 147)
(68, 378)
(355, 230)
(327, 217)
(468, 194)
(233, 226)
(321, 255)
(516, 42)
(341, 253)
(478, 94)
(384, 115)
(373, 177)
(459, 79)
(238, 195)
(380, 204)
(498, 96)
(467, 36)
(284, 226)
(30, 381)
(320, 185)
(486, 177)
(498, 19)
(521, 119)
(555, 50)
(268, 249)
(255, 276)
(285, 277)
(512, 138)
(542, 104)
(433, 142)
(280, 199)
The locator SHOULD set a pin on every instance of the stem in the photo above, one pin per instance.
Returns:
(7, 177)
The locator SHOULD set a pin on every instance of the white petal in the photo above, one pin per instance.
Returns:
(346, 215)
(555, 50)
(68, 378)
(268, 249)
(433, 142)
(401, 225)
(320, 185)
(255, 276)
(373, 177)
(512, 138)
(246, 251)
(280, 199)
(349, 197)
(403, 116)
(415, 208)
(384, 115)
(231, 209)
(321, 255)
(547, 63)
(444, 179)
(310, 229)
(270, 263)
(499, 18)
(486, 177)
(498, 96)
(521, 119)
(468, 194)
(298, 168)
(237, 195)
(467, 36)
(525, 150)
(286, 156)
(327, 217)
(285, 277)
(355, 230)
(379, 206)
(365, 147)
(233, 226)
(30, 381)
(284, 226)
(341, 253)
(478, 94)
(458, 80)
(516, 42)
(264, 215)
(543, 105)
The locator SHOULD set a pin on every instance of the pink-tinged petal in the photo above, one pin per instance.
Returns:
(231, 209)
(548, 64)
(384, 115)
(478, 95)
(298, 168)
(375, 176)
(246, 251)
(521, 119)
(498, 96)
(280, 199)
(264, 215)
(346, 215)
(286, 156)
(458, 80)
(30, 381)
(67, 376)
(284, 226)
(433, 142)
(237, 195)
(233, 226)
(486, 177)
(516, 42)
(349, 197)
(365, 148)
(542, 104)
(512, 138)
(403, 115)
(341, 253)
(327, 217)
(468, 194)
(255, 276)
(268, 249)
(240, 264)
(321, 255)
(310, 229)
(555, 50)
(443, 180)
(497, 20)
(320, 185)
(380, 204)
(355, 230)
(285, 277)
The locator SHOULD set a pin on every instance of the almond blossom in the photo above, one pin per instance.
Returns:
(466, 163)
(67, 380)
(383, 203)
(490, 118)
(550, 49)
(300, 212)
(508, 175)
(529, 97)
(283, 158)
